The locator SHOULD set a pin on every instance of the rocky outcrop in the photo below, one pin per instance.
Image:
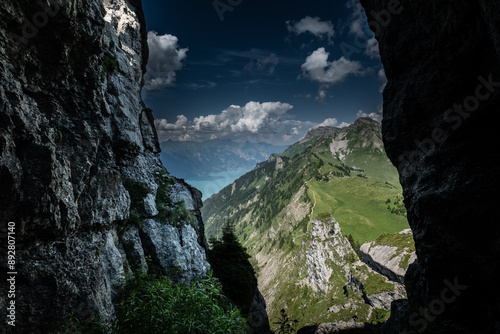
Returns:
(389, 260)
(442, 62)
(321, 131)
(327, 244)
(79, 164)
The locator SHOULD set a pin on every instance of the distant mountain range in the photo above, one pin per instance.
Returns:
(211, 165)
(294, 212)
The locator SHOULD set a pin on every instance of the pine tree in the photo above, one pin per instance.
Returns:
(230, 263)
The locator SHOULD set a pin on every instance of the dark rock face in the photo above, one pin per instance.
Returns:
(258, 319)
(73, 131)
(441, 117)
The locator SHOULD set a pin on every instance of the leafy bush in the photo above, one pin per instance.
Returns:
(73, 325)
(155, 306)
(286, 325)
(180, 215)
(163, 200)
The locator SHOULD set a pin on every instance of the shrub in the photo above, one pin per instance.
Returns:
(286, 325)
(163, 200)
(180, 215)
(155, 306)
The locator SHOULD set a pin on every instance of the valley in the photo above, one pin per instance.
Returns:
(295, 212)
(210, 166)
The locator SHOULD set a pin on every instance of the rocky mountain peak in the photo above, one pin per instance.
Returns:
(321, 131)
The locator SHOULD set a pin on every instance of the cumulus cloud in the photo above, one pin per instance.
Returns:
(329, 122)
(312, 25)
(165, 59)
(255, 121)
(376, 116)
(319, 69)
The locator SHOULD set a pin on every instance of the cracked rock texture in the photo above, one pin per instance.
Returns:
(73, 131)
(440, 128)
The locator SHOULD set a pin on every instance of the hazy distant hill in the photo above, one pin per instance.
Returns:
(293, 213)
(211, 165)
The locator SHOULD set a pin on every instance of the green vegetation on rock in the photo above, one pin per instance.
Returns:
(401, 241)
(137, 192)
(157, 305)
(175, 214)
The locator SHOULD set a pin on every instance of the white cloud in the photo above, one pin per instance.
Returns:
(254, 121)
(312, 25)
(376, 116)
(372, 48)
(165, 59)
(329, 122)
(319, 69)
(383, 79)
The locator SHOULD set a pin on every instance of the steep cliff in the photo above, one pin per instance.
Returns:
(390, 255)
(441, 103)
(81, 178)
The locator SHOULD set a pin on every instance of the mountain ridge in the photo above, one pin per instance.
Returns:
(336, 183)
(212, 165)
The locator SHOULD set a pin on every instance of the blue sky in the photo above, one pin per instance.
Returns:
(259, 70)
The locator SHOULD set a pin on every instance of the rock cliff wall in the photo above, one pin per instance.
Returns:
(441, 116)
(79, 167)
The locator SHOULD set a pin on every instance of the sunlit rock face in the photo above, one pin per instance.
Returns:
(441, 116)
(74, 132)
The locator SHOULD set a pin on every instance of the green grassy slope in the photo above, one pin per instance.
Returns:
(273, 207)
